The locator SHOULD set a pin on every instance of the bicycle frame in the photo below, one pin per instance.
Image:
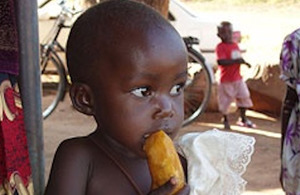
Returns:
(198, 88)
(52, 66)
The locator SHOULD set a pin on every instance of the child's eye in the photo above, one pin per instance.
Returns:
(142, 92)
(177, 89)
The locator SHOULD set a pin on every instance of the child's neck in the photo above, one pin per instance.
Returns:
(115, 146)
(228, 42)
(141, 179)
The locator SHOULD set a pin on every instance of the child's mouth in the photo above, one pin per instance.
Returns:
(167, 131)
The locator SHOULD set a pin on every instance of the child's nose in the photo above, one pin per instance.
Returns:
(164, 108)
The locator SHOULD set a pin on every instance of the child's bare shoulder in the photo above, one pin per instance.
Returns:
(77, 160)
(75, 146)
(74, 153)
(82, 149)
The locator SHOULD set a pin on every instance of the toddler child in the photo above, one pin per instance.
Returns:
(128, 67)
(231, 85)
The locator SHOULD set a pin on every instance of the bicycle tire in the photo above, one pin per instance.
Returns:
(198, 88)
(53, 79)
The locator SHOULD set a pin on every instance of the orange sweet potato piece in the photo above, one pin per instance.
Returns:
(163, 160)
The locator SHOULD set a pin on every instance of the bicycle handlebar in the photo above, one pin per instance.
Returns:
(191, 40)
(43, 4)
(62, 20)
(64, 8)
(71, 11)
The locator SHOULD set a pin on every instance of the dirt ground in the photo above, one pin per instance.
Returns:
(262, 172)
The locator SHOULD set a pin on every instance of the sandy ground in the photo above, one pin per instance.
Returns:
(266, 27)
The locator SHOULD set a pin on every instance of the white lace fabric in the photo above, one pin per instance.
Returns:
(216, 161)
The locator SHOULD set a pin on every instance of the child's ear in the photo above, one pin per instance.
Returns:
(82, 98)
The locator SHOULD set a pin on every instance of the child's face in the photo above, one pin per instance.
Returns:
(225, 33)
(142, 90)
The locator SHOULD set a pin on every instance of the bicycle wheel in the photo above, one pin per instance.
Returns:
(53, 79)
(198, 87)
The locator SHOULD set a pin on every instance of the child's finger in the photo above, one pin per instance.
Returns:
(166, 188)
(184, 191)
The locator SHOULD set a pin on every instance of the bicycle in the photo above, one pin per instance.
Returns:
(199, 83)
(53, 72)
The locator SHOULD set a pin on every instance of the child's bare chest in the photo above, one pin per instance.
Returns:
(118, 184)
(109, 174)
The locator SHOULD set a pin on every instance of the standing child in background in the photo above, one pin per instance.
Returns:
(128, 67)
(231, 85)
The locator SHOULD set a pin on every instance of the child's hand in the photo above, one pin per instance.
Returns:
(242, 61)
(168, 187)
(247, 64)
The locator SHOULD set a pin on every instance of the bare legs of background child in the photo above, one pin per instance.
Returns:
(243, 120)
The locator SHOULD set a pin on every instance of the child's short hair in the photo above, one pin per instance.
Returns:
(98, 31)
(223, 24)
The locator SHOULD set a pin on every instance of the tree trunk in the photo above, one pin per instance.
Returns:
(160, 5)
